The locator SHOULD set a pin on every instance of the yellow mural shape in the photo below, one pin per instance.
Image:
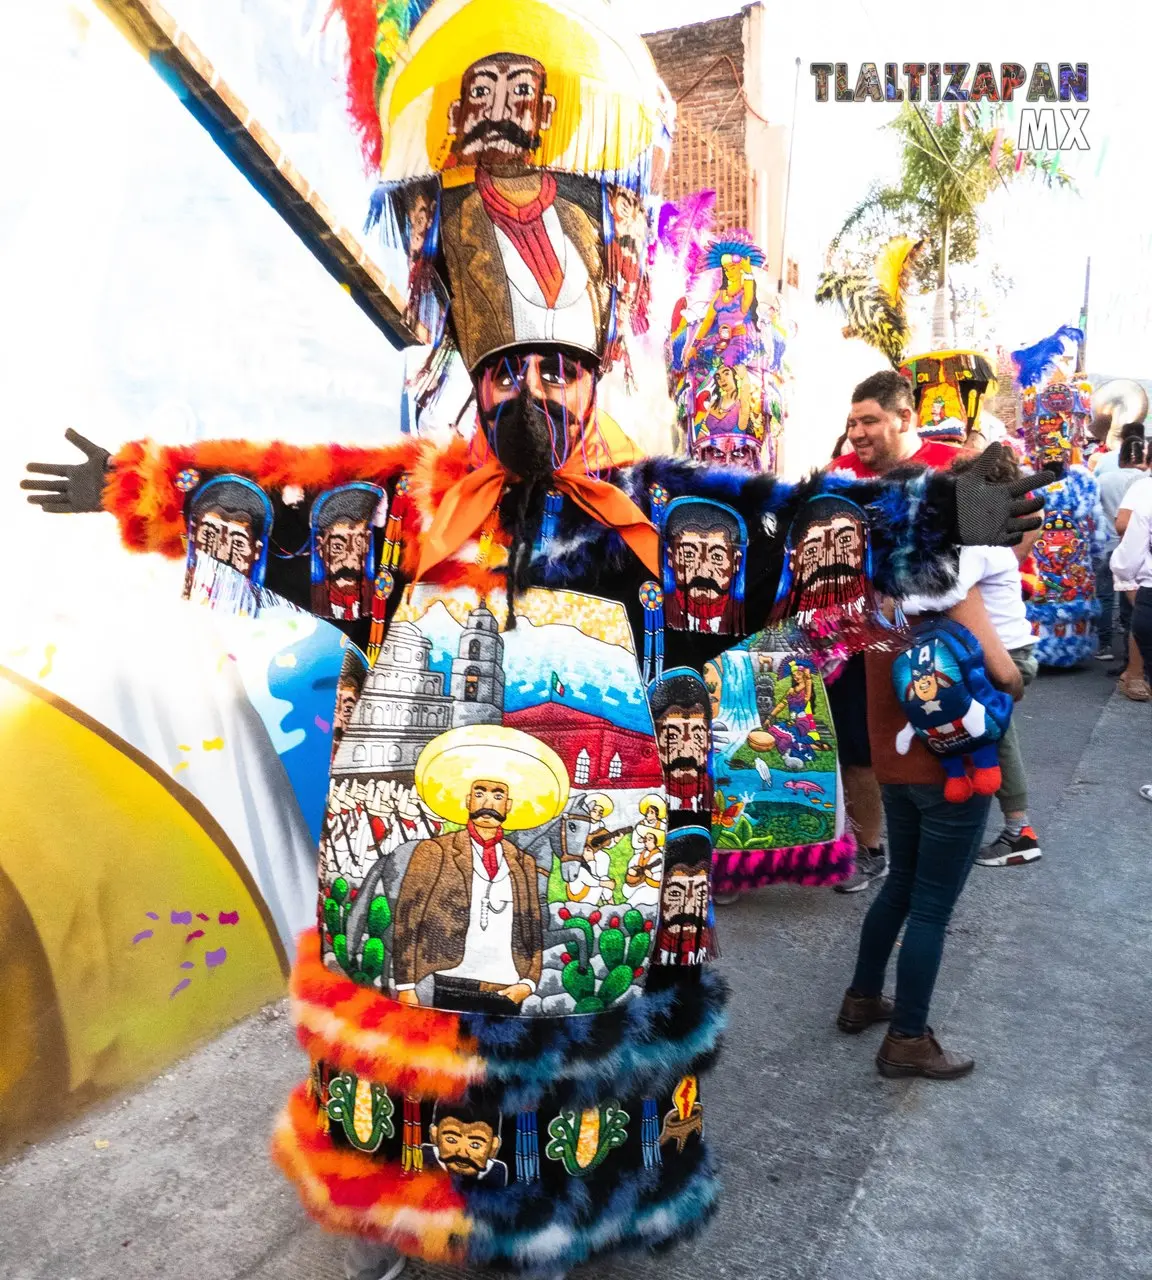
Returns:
(93, 836)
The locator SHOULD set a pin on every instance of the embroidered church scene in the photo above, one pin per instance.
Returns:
(495, 796)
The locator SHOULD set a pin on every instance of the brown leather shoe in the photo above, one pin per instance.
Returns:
(858, 1013)
(902, 1056)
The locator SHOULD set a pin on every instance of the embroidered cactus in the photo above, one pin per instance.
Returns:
(623, 945)
(368, 967)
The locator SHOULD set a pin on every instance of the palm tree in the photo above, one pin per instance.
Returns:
(948, 170)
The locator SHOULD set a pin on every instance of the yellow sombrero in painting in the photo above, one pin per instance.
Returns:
(608, 100)
(534, 774)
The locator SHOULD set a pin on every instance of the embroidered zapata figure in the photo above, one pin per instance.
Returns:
(826, 589)
(517, 118)
(704, 549)
(229, 522)
(685, 935)
(342, 551)
(682, 713)
(465, 1141)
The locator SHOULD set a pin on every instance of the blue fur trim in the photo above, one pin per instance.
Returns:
(642, 1047)
(1064, 651)
(541, 1229)
(912, 516)
(913, 530)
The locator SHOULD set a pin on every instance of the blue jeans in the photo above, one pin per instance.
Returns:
(1106, 594)
(931, 848)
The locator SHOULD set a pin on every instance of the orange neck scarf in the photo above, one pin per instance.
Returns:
(471, 500)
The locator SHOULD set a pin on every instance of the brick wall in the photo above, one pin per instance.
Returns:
(703, 67)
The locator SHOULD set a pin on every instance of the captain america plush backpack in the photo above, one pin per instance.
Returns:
(952, 706)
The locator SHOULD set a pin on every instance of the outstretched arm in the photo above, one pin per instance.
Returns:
(144, 485)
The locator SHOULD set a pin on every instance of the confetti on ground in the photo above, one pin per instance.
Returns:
(101, 1144)
(179, 987)
(141, 936)
(214, 958)
(201, 916)
(181, 917)
(229, 917)
(151, 915)
(49, 654)
(322, 725)
(188, 964)
(213, 744)
(196, 933)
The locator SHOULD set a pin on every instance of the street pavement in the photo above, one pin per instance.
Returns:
(1037, 1167)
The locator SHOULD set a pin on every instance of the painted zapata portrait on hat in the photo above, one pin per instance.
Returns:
(522, 244)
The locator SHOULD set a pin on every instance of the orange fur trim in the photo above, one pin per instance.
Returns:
(421, 1214)
(141, 491)
(418, 1052)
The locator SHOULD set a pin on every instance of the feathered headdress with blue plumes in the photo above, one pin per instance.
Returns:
(1035, 363)
(736, 244)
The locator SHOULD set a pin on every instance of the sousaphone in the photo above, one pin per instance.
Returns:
(1114, 405)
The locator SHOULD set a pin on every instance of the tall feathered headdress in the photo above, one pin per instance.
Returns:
(874, 301)
(1035, 363)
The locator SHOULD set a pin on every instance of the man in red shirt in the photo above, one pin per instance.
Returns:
(882, 430)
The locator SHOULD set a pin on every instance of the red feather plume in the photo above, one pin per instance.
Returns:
(359, 18)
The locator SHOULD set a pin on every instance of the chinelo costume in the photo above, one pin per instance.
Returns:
(1055, 408)
(507, 1001)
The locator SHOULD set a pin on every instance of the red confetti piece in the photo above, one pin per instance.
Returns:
(196, 933)
(201, 916)
(229, 917)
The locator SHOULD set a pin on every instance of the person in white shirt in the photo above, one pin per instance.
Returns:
(1134, 678)
(1132, 562)
(995, 572)
(1114, 484)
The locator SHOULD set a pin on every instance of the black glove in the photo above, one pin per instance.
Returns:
(82, 485)
(996, 515)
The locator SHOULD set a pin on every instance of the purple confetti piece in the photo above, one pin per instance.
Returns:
(196, 933)
(322, 725)
(229, 917)
(188, 964)
(151, 915)
(179, 987)
(201, 916)
(214, 958)
(181, 917)
(141, 936)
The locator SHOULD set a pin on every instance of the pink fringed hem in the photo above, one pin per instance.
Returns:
(739, 870)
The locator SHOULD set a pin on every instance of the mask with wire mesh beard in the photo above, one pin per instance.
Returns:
(530, 438)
